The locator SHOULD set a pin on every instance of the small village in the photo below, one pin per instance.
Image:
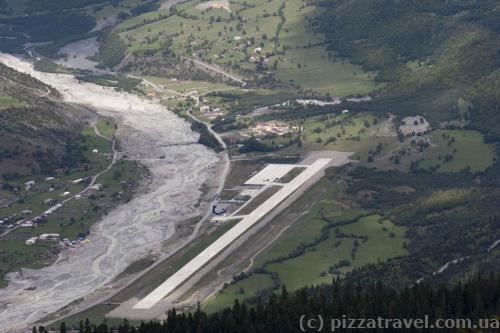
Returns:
(19, 220)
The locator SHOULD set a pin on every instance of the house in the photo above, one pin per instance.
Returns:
(27, 212)
(31, 241)
(49, 179)
(27, 224)
(257, 50)
(52, 210)
(237, 38)
(65, 194)
(49, 236)
(345, 111)
(29, 185)
(205, 108)
(272, 127)
(77, 181)
(48, 201)
(97, 187)
(95, 151)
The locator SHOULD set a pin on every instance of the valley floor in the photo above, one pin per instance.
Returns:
(131, 231)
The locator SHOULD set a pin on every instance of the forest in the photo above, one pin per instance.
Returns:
(474, 299)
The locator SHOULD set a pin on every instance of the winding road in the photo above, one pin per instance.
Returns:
(212, 68)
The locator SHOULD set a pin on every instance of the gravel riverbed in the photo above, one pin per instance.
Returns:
(130, 231)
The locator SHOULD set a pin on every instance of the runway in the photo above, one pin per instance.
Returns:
(230, 236)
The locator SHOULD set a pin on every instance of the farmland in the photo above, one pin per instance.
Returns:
(268, 35)
(456, 150)
(9, 102)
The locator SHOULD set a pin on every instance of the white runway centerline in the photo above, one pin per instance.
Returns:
(230, 236)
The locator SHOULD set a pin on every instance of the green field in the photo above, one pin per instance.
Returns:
(312, 69)
(107, 127)
(466, 148)
(359, 133)
(218, 37)
(307, 269)
(10, 102)
(248, 287)
(202, 87)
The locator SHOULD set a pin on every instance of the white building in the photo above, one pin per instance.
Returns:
(31, 241)
(97, 187)
(50, 236)
(27, 224)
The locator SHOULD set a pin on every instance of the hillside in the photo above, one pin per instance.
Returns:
(433, 53)
(34, 127)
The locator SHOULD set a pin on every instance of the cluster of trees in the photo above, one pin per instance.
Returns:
(52, 26)
(206, 138)
(120, 82)
(474, 299)
(111, 50)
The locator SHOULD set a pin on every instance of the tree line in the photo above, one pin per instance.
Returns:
(476, 298)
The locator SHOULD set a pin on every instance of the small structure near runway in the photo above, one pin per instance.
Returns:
(218, 211)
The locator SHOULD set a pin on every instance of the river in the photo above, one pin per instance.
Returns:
(130, 231)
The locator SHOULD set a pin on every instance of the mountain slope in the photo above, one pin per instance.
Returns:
(431, 52)
(34, 126)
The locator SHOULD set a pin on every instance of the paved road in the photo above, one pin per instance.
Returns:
(155, 86)
(201, 63)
